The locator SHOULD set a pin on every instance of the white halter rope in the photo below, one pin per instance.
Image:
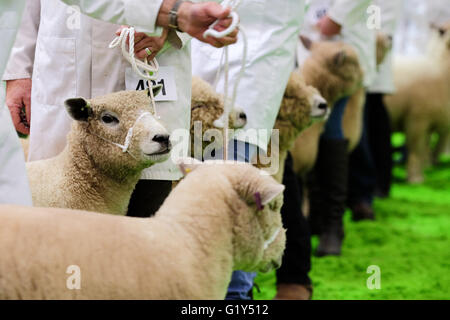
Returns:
(126, 145)
(228, 104)
(150, 69)
(272, 238)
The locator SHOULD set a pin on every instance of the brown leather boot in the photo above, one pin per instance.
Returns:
(293, 291)
(362, 211)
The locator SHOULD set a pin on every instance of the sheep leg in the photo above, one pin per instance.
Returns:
(417, 138)
(442, 145)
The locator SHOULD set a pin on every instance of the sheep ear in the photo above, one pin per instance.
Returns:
(339, 58)
(156, 90)
(438, 28)
(307, 42)
(271, 193)
(78, 109)
(187, 165)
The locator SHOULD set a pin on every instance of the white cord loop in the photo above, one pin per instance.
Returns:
(272, 238)
(211, 32)
(229, 104)
(150, 69)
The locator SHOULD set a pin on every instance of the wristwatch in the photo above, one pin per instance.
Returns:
(173, 16)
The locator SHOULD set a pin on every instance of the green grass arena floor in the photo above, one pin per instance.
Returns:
(409, 241)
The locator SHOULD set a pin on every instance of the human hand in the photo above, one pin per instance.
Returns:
(328, 27)
(195, 19)
(18, 98)
(142, 41)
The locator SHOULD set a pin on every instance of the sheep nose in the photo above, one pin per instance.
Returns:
(242, 116)
(162, 139)
(323, 106)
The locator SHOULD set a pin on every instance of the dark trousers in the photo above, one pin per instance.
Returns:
(147, 197)
(296, 262)
(380, 131)
(362, 173)
(371, 162)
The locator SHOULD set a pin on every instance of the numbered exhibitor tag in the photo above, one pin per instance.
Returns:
(166, 78)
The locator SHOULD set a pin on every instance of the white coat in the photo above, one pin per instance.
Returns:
(352, 16)
(390, 15)
(14, 188)
(272, 28)
(66, 54)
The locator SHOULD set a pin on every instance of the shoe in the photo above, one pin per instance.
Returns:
(362, 211)
(382, 194)
(331, 174)
(293, 291)
(330, 243)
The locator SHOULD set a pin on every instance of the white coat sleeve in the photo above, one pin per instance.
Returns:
(142, 14)
(349, 12)
(21, 61)
(390, 13)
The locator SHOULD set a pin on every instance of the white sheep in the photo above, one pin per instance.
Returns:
(219, 219)
(301, 107)
(421, 104)
(112, 139)
(207, 108)
(333, 68)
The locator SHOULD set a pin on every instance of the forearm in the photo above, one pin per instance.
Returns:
(145, 16)
(141, 14)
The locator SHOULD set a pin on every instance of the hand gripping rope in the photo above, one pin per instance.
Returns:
(228, 103)
(150, 69)
(150, 73)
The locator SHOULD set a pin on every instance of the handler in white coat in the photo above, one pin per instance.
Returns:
(353, 17)
(66, 54)
(371, 161)
(348, 21)
(14, 188)
(272, 29)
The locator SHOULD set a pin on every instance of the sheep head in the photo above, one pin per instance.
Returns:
(301, 106)
(333, 68)
(207, 107)
(254, 202)
(441, 40)
(118, 131)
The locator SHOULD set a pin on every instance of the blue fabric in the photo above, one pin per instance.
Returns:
(240, 285)
(241, 282)
(333, 126)
(237, 151)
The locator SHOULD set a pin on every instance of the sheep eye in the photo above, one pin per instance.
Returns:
(273, 206)
(109, 119)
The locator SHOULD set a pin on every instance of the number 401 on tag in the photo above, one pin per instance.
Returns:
(165, 78)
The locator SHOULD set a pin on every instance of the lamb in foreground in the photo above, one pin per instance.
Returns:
(220, 218)
(113, 138)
